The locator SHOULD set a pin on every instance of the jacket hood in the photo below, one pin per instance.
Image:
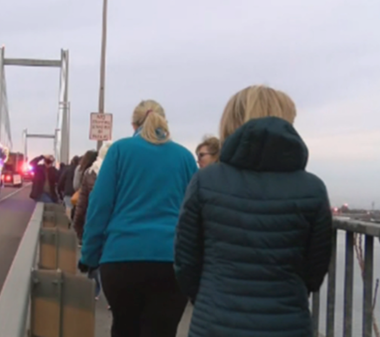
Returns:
(266, 144)
(99, 160)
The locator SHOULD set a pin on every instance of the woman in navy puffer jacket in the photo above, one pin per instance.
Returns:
(254, 235)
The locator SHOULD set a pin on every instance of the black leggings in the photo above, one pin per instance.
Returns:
(144, 297)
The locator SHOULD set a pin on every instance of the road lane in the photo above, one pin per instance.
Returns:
(15, 212)
(6, 191)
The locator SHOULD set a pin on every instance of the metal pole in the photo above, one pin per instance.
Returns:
(103, 64)
(67, 107)
(68, 131)
(65, 127)
(25, 141)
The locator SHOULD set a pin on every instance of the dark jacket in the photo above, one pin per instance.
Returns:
(65, 184)
(40, 174)
(254, 236)
(88, 182)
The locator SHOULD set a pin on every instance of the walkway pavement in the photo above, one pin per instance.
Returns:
(103, 320)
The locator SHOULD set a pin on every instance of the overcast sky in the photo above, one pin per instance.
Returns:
(191, 56)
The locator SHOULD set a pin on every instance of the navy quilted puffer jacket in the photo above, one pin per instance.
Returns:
(254, 236)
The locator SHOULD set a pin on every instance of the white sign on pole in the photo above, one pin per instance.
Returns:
(101, 126)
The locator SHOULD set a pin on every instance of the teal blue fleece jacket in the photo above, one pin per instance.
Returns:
(134, 206)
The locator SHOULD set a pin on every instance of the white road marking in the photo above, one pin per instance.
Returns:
(14, 193)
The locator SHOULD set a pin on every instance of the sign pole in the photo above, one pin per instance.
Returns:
(103, 64)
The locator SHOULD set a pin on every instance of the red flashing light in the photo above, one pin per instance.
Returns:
(8, 178)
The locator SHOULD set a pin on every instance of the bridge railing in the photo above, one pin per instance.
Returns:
(355, 231)
(42, 295)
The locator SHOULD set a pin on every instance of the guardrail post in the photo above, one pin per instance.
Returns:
(58, 250)
(67, 251)
(331, 286)
(78, 315)
(58, 244)
(46, 303)
(63, 305)
(54, 219)
(48, 257)
(368, 287)
(348, 285)
(56, 208)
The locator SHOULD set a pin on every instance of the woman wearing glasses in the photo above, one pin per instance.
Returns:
(208, 151)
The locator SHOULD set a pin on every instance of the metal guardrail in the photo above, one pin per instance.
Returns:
(42, 284)
(15, 295)
(352, 229)
(20, 299)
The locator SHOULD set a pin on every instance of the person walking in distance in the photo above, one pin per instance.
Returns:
(44, 186)
(87, 185)
(85, 162)
(65, 184)
(130, 226)
(254, 236)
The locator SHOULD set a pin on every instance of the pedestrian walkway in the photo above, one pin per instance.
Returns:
(103, 320)
(338, 307)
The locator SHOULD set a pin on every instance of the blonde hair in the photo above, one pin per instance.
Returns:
(212, 143)
(150, 117)
(255, 102)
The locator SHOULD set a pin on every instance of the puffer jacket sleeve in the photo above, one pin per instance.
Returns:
(318, 254)
(82, 205)
(188, 256)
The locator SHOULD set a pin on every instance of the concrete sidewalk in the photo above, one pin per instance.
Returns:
(103, 320)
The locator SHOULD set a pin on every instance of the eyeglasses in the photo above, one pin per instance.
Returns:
(201, 155)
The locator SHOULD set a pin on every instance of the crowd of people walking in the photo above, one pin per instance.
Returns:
(245, 235)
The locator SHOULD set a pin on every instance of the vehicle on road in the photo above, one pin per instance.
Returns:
(11, 174)
(4, 152)
(28, 172)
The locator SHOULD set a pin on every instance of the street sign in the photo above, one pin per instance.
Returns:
(101, 126)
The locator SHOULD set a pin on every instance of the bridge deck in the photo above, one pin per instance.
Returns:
(15, 211)
(103, 320)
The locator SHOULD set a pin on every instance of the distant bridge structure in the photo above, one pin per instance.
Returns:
(61, 132)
